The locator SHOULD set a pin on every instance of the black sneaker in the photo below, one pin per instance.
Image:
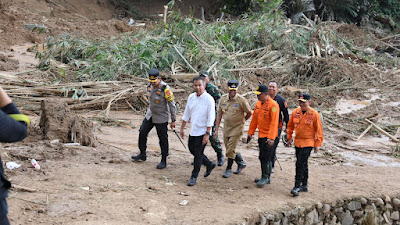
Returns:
(191, 182)
(209, 169)
(303, 188)
(295, 191)
(139, 158)
(162, 165)
(227, 173)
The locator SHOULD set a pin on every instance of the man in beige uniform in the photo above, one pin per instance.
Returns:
(236, 110)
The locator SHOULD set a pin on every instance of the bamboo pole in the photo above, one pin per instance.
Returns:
(365, 131)
(382, 131)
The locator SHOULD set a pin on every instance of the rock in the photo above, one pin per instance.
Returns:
(319, 205)
(347, 218)
(312, 217)
(327, 208)
(363, 201)
(388, 206)
(301, 209)
(285, 221)
(358, 213)
(270, 217)
(353, 205)
(395, 215)
(263, 220)
(339, 210)
(386, 216)
(379, 202)
(334, 219)
(396, 201)
(387, 199)
(184, 202)
(287, 213)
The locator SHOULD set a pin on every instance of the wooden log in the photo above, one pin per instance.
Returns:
(382, 131)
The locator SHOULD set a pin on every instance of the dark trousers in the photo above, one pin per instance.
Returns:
(196, 147)
(265, 150)
(3, 212)
(302, 155)
(162, 134)
(276, 142)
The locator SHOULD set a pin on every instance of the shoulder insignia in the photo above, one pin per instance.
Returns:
(169, 96)
(274, 109)
(285, 103)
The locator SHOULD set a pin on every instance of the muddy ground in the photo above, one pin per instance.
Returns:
(101, 185)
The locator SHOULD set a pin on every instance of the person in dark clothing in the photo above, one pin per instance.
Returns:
(13, 128)
(273, 88)
(161, 106)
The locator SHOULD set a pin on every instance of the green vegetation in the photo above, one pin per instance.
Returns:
(200, 44)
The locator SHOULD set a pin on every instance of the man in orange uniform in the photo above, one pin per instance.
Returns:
(307, 124)
(266, 118)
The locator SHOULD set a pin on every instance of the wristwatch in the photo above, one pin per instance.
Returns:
(208, 133)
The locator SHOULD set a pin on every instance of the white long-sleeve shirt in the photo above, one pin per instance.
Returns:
(200, 110)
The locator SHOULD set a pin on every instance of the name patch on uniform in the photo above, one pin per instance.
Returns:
(168, 95)
(274, 109)
(235, 105)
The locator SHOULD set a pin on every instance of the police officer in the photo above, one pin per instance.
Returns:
(13, 128)
(216, 94)
(266, 119)
(161, 104)
(283, 116)
(236, 110)
(305, 121)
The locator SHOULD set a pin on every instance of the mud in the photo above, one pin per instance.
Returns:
(58, 122)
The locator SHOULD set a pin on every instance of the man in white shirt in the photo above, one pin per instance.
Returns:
(200, 110)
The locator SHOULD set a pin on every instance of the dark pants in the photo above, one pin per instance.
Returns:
(3, 212)
(196, 147)
(161, 128)
(265, 150)
(276, 142)
(302, 155)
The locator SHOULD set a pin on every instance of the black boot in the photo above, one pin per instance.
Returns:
(163, 163)
(269, 171)
(264, 178)
(296, 189)
(209, 169)
(220, 158)
(241, 164)
(140, 157)
(228, 169)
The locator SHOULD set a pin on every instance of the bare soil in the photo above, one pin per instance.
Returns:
(97, 183)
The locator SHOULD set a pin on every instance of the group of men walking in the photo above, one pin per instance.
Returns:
(205, 109)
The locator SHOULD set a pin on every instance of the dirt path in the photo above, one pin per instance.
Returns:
(82, 185)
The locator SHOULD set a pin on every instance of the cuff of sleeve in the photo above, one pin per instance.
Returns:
(10, 109)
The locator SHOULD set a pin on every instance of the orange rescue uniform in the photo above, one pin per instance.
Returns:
(266, 118)
(308, 128)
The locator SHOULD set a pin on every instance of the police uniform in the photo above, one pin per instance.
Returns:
(13, 128)
(234, 112)
(309, 134)
(161, 105)
(266, 119)
(215, 142)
